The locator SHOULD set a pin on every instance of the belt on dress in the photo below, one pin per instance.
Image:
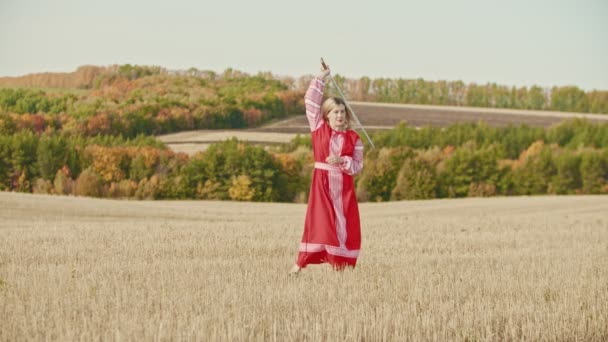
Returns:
(328, 167)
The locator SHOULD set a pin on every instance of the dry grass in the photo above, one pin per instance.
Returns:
(531, 268)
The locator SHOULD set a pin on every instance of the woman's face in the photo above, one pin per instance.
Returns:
(337, 117)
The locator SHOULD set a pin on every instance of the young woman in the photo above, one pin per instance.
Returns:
(332, 231)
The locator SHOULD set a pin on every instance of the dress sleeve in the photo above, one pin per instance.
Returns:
(312, 101)
(353, 165)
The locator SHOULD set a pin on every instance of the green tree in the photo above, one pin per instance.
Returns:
(23, 150)
(51, 155)
(536, 98)
(138, 169)
(5, 162)
(469, 165)
(416, 180)
(594, 172)
(379, 176)
(535, 173)
(598, 101)
(567, 178)
(569, 99)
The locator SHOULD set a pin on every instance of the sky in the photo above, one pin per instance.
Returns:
(515, 43)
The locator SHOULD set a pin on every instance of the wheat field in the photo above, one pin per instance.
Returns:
(521, 268)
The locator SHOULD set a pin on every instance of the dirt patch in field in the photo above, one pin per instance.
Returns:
(192, 142)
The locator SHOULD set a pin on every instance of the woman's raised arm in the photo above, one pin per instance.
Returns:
(313, 100)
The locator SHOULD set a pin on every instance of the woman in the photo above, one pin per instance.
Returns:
(332, 231)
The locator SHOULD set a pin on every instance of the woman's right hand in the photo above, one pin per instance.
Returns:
(324, 73)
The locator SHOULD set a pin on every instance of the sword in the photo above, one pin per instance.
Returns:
(347, 105)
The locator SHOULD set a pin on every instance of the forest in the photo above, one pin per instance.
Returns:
(458, 161)
(91, 133)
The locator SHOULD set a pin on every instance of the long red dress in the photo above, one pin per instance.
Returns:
(332, 231)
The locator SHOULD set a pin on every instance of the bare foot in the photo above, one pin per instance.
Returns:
(295, 269)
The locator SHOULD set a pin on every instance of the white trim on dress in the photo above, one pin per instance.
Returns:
(333, 250)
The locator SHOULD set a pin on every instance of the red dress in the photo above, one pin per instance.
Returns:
(332, 232)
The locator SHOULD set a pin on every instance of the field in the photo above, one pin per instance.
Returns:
(377, 116)
(517, 268)
(386, 115)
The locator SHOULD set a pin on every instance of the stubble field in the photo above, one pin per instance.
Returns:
(521, 268)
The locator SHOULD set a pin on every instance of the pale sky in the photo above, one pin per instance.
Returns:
(516, 42)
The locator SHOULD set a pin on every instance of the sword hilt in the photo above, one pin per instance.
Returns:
(323, 64)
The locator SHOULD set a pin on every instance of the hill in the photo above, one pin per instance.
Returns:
(82, 78)
(364, 89)
(132, 100)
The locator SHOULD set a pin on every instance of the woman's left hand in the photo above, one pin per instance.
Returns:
(334, 160)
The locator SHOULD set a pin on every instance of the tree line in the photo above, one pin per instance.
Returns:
(129, 100)
(457, 161)
(473, 159)
(457, 93)
(143, 168)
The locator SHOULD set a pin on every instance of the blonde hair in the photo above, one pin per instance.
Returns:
(330, 104)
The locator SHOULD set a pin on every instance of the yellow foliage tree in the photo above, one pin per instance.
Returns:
(107, 162)
(241, 188)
